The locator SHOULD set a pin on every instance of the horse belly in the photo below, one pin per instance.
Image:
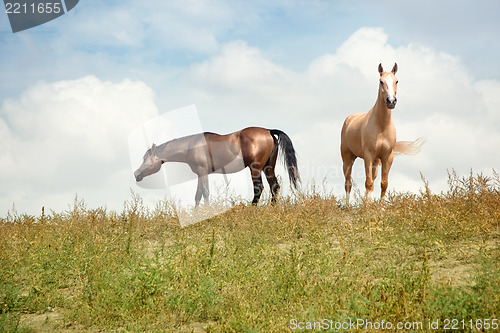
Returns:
(226, 157)
(235, 165)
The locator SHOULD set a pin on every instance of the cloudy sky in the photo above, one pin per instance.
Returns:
(73, 90)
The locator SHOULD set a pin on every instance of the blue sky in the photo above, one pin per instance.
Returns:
(73, 89)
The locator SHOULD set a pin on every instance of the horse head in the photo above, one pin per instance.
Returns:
(151, 164)
(388, 86)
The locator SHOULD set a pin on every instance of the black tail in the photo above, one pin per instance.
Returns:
(290, 159)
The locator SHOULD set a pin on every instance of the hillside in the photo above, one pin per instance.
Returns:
(416, 259)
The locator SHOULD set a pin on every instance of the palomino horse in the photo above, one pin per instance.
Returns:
(206, 153)
(372, 136)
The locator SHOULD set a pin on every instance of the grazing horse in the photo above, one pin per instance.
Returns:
(205, 153)
(372, 137)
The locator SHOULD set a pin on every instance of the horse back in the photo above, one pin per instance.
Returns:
(354, 121)
(250, 145)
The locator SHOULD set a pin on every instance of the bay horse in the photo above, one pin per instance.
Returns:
(372, 137)
(205, 153)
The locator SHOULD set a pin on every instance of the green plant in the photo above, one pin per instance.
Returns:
(415, 257)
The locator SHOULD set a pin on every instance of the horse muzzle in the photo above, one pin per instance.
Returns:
(391, 104)
(138, 176)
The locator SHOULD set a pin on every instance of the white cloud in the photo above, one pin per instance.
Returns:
(353, 53)
(67, 138)
(438, 99)
(489, 92)
(59, 139)
(238, 66)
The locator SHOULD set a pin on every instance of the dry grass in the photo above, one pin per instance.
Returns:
(415, 257)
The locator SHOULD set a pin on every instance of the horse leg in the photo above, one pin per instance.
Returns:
(257, 186)
(272, 181)
(375, 170)
(348, 161)
(386, 166)
(199, 191)
(204, 188)
(369, 165)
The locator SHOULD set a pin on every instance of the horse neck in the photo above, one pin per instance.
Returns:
(380, 112)
(173, 151)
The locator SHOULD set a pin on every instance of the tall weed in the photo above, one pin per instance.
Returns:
(414, 257)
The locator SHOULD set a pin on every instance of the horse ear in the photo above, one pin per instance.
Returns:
(153, 147)
(395, 68)
(380, 69)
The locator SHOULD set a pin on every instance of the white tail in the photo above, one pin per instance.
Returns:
(409, 147)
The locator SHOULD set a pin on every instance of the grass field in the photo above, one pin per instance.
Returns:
(416, 258)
